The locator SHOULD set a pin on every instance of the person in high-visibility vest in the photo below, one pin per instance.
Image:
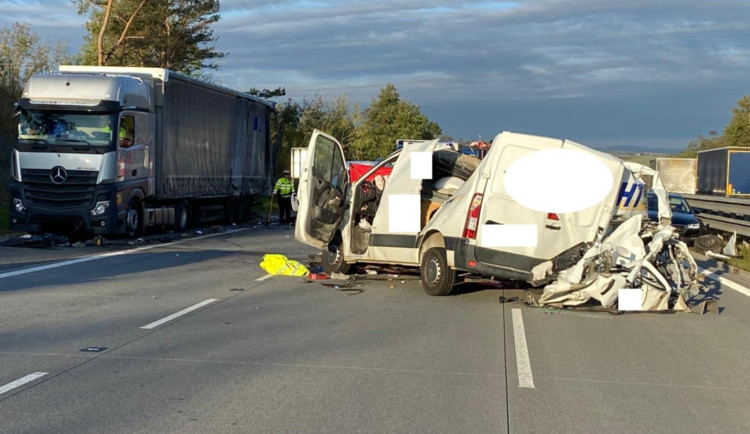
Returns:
(283, 190)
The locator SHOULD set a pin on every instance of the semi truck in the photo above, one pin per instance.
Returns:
(115, 150)
(724, 171)
(679, 175)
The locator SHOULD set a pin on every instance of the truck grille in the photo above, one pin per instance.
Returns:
(77, 191)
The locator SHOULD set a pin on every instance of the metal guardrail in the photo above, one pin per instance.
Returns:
(727, 214)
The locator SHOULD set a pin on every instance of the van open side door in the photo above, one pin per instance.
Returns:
(321, 192)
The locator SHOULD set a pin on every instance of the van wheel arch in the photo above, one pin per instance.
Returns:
(432, 239)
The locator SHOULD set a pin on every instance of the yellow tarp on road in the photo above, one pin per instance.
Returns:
(280, 265)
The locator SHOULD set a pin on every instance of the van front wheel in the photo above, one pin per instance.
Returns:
(437, 277)
(333, 260)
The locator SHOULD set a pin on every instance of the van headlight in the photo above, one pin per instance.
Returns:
(694, 226)
(18, 205)
(100, 208)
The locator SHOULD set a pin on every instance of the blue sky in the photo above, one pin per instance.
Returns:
(601, 72)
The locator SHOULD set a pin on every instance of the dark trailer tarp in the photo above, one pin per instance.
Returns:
(724, 171)
(215, 142)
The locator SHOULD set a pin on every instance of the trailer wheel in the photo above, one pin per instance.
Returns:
(134, 219)
(180, 217)
(333, 260)
(437, 277)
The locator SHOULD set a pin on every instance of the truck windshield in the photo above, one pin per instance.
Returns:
(62, 128)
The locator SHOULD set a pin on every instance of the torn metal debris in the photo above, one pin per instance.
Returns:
(651, 260)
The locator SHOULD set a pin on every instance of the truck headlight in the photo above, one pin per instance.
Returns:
(100, 208)
(14, 171)
(18, 205)
(694, 226)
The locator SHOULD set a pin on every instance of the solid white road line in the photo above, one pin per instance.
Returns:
(725, 282)
(106, 255)
(21, 381)
(267, 276)
(525, 379)
(179, 314)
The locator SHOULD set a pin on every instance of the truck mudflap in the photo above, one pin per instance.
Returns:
(624, 273)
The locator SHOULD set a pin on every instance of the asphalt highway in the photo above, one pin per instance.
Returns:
(187, 334)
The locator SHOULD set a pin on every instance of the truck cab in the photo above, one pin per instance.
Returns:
(84, 143)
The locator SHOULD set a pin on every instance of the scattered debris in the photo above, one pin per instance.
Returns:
(44, 240)
(708, 242)
(731, 248)
(339, 276)
(349, 287)
(623, 273)
(237, 289)
(93, 349)
(713, 255)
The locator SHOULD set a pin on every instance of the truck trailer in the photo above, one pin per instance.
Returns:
(679, 175)
(724, 171)
(114, 150)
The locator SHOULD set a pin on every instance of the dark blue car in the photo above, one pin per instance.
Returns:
(683, 217)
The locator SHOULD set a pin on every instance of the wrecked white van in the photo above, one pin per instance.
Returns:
(533, 207)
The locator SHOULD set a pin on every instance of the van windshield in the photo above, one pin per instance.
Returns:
(66, 128)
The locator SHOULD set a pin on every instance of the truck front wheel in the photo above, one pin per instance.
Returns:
(437, 277)
(134, 219)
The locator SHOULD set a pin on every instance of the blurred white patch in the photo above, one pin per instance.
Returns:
(421, 165)
(509, 235)
(558, 180)
(629, 299)
(403, 213)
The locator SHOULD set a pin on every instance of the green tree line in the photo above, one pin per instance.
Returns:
(736, 133)
(178, 35)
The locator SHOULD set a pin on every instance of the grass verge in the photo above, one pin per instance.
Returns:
(742, 261)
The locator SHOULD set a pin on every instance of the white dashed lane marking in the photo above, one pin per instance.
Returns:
(725, 282)
(179, 314)
(525, 378)
(21, 381)
(104, 255)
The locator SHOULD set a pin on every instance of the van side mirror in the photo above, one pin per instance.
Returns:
(697, 210)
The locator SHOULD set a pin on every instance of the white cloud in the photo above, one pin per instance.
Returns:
(549, 66)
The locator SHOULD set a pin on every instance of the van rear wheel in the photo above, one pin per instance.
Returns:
(437, 277)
